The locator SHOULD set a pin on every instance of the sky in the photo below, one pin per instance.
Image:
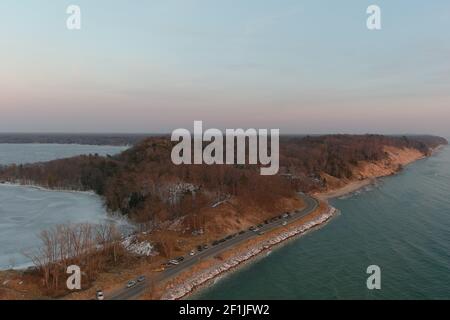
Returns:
(303, 66)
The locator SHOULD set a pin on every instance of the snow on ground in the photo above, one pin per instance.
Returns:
(141, 248)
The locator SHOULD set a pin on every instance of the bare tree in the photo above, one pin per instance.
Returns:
(89, 247)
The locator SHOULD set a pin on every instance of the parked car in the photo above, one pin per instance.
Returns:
(174, 262)
(284, 223)
(241, 232)
(215, 243)
(141, 279)
(99, 295)
(179, 259)
(131, 284)
(192, 253)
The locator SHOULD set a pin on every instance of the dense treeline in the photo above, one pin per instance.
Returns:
(143, 183)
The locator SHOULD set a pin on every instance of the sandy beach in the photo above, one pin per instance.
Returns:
(347, 189)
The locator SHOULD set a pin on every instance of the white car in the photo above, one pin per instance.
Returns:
(174, 262)
(284, 223)
(131, 284)
(99, 295)
(192, 253)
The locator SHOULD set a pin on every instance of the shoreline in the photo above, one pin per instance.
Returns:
(121, 221)
(346, 190)
(356, 185)
(206, 278)
(41, 188)
(196, 280)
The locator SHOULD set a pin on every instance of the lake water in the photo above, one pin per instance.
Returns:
(402, 224)
(26, 211)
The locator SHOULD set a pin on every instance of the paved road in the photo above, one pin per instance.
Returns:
(136, 291)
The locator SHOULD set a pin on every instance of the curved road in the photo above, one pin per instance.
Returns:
(137, 290)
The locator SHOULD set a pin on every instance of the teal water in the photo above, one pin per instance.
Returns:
(401, 224)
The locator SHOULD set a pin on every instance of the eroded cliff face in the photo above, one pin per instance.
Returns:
(365, 171)
(397, 158)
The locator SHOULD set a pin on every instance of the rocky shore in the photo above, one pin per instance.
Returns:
(204, 277)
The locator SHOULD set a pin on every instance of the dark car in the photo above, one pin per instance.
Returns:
(252, 228)
(229, 237)
(179, 259)
(215, 243)
(241, 232)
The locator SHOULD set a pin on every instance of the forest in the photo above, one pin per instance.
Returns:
(143, 183)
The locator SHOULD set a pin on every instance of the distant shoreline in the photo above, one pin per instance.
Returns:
(91, 139)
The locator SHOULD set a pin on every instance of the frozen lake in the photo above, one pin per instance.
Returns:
(26, 211)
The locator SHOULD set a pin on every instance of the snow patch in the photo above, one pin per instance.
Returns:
(140, 248)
